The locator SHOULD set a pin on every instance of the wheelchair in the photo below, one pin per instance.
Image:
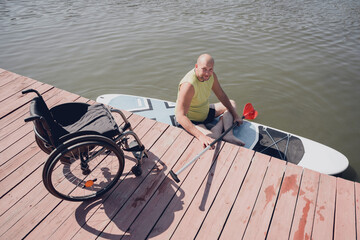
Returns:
(85, 147)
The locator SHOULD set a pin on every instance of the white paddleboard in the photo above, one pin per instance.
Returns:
(277, 143)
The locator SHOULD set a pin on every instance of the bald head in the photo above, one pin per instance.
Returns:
(204, 67)
(205, 59)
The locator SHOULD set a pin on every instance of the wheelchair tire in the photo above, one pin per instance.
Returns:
(83, 168)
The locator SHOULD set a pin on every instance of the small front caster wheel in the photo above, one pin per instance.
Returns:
(86, 171)
(136, 170)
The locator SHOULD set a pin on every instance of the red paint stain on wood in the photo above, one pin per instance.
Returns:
(319, 213)
(289, 183)
(310, 189)
(270, 193)
(300, 233)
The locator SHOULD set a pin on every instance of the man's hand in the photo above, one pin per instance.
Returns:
(238, 119)
(205, 140)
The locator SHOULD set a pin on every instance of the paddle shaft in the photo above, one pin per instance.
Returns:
(207, 148)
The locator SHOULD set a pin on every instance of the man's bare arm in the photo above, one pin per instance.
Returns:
(224, 99)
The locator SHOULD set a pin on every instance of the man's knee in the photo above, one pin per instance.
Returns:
(233, 103)
(219, 108)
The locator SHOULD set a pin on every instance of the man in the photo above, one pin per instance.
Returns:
(193, 110)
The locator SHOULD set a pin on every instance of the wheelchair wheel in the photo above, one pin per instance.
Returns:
(83, 168)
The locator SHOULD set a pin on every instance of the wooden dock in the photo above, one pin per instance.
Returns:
(229, 193)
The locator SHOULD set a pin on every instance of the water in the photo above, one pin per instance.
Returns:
(297, 61)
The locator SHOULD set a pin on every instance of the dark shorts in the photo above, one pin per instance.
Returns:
(207, 122)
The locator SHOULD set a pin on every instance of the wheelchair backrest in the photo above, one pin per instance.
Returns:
(46, 127)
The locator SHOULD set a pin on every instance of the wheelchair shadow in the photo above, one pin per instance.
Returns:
(121, 207)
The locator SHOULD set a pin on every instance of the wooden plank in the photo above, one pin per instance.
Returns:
(33, 216)
(27, 185)
(245, 201)
(19, 114)
(260, 218)
(345, 210)
(325, 207)
(191, 179)
(285, 207)
(136, 120)
(357, 210)
(305, 207)
(196, 212)
(22, 165)
(26, 206)
(15, 86)
(216, 216)
(18, 100)
(18, 133)
(7, 77)
(16, 148)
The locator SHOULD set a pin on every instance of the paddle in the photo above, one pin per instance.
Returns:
(248, 113)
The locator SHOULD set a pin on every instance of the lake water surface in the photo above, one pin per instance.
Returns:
(297, 61)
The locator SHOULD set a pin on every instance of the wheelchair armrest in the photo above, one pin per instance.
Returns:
(45, 127)
(42, 120)
(32, 118)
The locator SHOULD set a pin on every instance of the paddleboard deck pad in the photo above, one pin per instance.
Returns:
(270, 141)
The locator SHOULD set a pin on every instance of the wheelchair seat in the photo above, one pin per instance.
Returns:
(75, 117)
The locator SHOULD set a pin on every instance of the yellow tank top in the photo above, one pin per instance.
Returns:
(199, 106)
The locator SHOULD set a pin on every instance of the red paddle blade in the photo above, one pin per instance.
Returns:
(249, 112)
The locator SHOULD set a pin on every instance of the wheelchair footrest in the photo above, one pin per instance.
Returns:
(134, 147)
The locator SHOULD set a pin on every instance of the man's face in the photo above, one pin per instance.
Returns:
(204, 70)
